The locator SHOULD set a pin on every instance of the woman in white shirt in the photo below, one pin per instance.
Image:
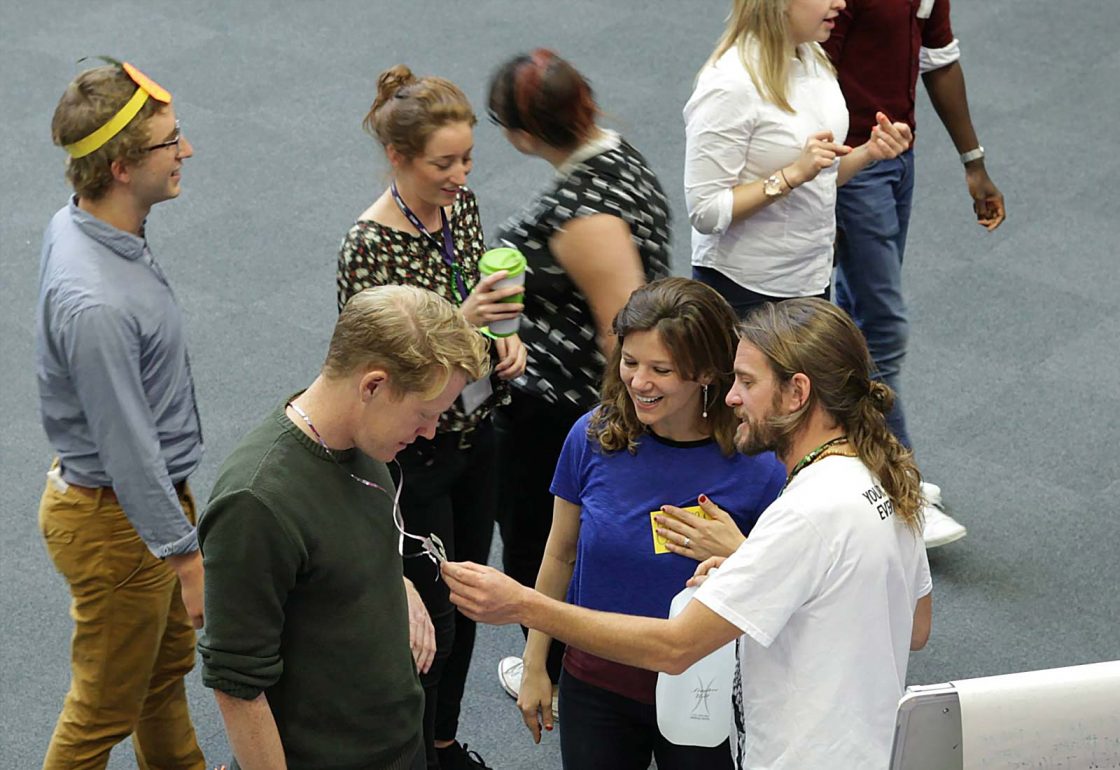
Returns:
(762, 160)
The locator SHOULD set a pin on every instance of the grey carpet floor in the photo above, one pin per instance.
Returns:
(1010, 383)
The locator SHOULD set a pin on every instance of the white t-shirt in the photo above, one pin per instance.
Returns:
(824, 590)
(733, 136)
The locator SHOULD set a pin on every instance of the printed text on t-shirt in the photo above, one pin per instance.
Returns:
(877, 497)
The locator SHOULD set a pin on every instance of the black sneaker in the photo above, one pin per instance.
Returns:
(458, 757)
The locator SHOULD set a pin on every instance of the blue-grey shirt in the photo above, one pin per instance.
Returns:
(116, 394)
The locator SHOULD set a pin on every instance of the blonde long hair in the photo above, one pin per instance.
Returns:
(766, 24)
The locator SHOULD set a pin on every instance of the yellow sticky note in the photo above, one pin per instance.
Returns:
(658, 541)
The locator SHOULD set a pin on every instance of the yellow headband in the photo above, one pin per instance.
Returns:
(145, 87)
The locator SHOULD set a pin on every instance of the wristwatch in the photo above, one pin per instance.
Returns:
(772, 186)
(971, 155)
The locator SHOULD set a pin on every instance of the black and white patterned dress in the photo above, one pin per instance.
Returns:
(606, 176)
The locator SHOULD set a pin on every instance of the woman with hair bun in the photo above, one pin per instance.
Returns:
(661, 439)
(599, 230)
(424, 230)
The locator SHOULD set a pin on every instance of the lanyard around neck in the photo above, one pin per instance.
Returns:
(812, 457)
(446, 248)
(432, 545)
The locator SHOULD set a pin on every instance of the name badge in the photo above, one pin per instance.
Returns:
(658, 541)
(925, 8)
(475, 394)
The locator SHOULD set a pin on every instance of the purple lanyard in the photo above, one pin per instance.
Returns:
(447, 249)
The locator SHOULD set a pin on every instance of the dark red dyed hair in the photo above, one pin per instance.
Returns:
(545, 96)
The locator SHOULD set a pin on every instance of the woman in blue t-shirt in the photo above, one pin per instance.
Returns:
(661, 439)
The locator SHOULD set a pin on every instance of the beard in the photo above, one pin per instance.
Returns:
(753, 437)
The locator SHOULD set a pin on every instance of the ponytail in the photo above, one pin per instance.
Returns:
(817, 338)
(883, 454)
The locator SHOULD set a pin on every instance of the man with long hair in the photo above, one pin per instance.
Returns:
(830, 591)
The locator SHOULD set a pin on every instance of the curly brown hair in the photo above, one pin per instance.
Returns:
(698, 328)
(89, 101)
(818, 339)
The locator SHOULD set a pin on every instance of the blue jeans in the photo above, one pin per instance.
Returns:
(872, 217)
(602, 730)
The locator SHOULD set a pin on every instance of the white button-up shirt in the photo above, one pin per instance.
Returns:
(735, 136)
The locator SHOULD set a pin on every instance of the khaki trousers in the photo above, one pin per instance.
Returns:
(133, 641)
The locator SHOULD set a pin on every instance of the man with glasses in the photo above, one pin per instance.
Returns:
(118, 407)
(309, 618)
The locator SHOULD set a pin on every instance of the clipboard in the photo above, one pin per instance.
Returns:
(927, 729)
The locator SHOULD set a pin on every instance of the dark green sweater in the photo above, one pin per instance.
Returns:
(305, 601)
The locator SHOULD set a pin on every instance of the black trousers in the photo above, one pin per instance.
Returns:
(449, 491)
(741, 300)
(530, 435)
(602, 730)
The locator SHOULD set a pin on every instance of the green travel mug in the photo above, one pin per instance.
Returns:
(513, 262)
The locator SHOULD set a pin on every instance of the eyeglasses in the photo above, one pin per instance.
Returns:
(174, 141)
(495, 119)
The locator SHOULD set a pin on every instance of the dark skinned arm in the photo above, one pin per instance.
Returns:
(947, 92)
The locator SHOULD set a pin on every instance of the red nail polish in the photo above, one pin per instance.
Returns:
(703, 498)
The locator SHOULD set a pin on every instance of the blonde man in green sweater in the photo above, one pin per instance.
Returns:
(313, 636)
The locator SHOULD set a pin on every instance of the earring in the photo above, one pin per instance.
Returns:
(704, 414)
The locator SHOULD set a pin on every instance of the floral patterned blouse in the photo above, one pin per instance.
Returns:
(373, 254)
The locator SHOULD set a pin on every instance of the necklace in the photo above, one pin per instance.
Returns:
(838, 453)
(330, 454)
(813, 456)
(432, 545)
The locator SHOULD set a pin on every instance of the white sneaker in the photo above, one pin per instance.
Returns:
(510, 670)
(509, 675)
(940, 528)
(932, 493)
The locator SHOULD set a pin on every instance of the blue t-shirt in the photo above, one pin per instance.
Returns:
(617, 569)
